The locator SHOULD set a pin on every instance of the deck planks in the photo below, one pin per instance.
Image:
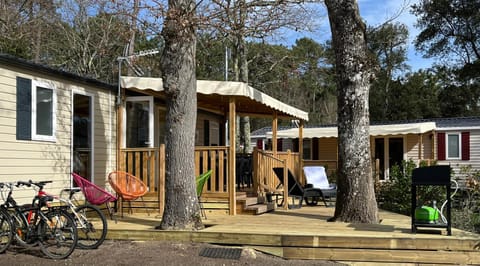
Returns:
(305, 234)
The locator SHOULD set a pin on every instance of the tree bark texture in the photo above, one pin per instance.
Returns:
(244, 125)
(182, 211)
(355, 196)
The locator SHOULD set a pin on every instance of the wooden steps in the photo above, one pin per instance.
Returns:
(252, 205)
(246, 205)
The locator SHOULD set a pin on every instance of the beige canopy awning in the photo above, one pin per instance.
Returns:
(375, 130)
(249, 99)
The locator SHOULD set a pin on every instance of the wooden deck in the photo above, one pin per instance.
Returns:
(305, 234)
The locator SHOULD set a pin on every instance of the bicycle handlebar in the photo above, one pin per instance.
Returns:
(23, 183)
(39, 184)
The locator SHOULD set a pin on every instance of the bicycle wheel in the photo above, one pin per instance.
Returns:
(92, 227)
(58, 234)
(21, 228)
(6, 230)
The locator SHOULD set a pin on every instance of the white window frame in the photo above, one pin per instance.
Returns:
(459, 145)
(150, 119)
(49, 86)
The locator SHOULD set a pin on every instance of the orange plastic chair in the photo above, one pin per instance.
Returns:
(128, 188)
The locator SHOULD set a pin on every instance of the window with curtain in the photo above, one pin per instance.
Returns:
(453, 146)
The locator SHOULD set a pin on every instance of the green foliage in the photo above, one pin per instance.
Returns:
(449, 29)
(419, 94)
(466, 204)
(456, 101)
(210, 58)
(301, 75)
(395, 194)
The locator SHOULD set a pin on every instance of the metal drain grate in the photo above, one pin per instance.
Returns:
(221, 253)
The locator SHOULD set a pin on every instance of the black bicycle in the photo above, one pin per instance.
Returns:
(6, 226)
(38, 224)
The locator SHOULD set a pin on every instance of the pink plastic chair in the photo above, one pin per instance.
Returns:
(94, 194)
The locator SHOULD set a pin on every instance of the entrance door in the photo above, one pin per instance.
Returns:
(82, 135)
(395, 152)
(380, 156)
(389, 152)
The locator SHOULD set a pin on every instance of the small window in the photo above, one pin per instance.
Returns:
(43, 111)
(307, 149)
(453, 146)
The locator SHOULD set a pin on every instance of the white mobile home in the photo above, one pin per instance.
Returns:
(453, 141)
(53, 123)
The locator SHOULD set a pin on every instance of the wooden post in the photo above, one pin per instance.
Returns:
(285, 185)
(256, 174)
(161, 178)
(274, 133)
(433, 146)
(231, 157)
(300, 149)
(420, 144)
(119, 156)
(120, 136)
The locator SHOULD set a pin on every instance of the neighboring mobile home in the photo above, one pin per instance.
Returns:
(52, 123)
(458, 143)
(454, 141)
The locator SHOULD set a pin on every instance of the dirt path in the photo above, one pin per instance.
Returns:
(149, 253)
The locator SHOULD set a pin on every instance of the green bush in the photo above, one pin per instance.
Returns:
(395, 194)
(466, 210)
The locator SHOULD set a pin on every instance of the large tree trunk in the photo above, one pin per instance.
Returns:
(355, 197)
(244, 125)
(182, 211)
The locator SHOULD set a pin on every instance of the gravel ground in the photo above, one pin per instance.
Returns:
(149, 253)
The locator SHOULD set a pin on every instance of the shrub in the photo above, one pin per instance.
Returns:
(466, 212)
(395, 194)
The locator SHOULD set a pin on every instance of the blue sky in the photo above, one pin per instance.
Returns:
(374, 12)
(377, 11)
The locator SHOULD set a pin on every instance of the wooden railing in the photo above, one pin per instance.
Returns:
(216, 159)
(148, 164)
(144, 163)
(264, 179)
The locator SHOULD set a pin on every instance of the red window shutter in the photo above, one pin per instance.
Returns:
(260, 144)
(465, 146)
(279, 145)
(441, 146)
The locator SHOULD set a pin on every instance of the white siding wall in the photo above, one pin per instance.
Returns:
(474, 154)
(40, 160)
(412, 144)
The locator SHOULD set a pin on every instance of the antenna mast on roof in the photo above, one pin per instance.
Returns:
(128, 60)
